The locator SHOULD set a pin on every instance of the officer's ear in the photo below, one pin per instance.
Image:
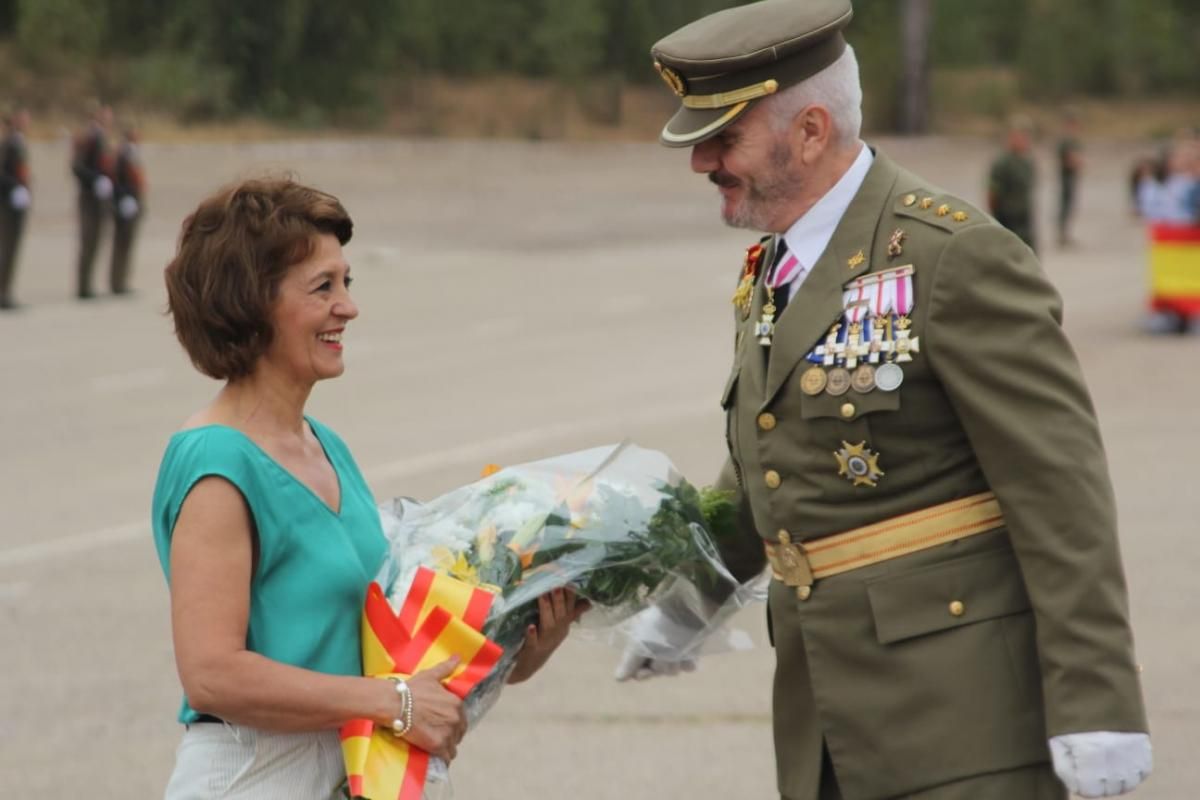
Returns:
(812, 132)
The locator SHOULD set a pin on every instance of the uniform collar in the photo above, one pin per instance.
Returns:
(809, 236)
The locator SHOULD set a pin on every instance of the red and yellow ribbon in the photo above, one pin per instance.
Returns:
(441, 617)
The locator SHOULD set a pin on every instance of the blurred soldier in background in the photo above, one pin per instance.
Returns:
(1010, 183)
(129, 187)
(14, 200)
(1070, 164)
(92, 165)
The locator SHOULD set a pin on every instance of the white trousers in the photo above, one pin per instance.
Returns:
(238, 763)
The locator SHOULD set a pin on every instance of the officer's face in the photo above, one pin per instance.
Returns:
(310, 316)
(752, 165)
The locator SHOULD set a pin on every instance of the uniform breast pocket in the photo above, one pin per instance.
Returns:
(848, 407)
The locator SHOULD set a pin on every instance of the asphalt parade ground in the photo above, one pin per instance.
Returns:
(517, 300)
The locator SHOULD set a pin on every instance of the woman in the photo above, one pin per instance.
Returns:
(264, 525)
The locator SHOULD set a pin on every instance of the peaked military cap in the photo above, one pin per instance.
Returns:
(722, 64)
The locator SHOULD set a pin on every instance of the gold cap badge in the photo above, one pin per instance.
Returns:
(672, 79)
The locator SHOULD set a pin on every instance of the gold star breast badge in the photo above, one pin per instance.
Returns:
(859, 464)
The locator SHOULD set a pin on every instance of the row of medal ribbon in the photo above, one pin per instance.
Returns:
(864, 349)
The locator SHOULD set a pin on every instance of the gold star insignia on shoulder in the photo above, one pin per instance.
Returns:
(943, 210)
(959, 216)
(855, 259)
(926, 202)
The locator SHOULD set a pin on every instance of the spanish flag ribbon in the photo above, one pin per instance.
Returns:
(1175, 268)
(441, 617)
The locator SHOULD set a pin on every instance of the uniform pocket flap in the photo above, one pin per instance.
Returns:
(849, 406)
(944, 596)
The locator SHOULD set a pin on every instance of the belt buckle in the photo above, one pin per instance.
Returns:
(790, 564)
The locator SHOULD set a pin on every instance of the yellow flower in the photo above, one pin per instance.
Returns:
(455, 565)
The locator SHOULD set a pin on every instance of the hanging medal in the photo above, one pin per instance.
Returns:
(888, 376)
(862, 379)
(905, 343)
(812, 380)
(856, 307)
(778, 279)
(764, 329)
(838, 378)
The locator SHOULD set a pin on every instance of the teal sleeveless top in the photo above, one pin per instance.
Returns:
(314, 563)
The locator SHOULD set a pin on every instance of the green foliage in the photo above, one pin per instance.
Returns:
(180, 82)
(310, 59)
(54, 33)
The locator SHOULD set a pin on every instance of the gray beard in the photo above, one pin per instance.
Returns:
(764, 195)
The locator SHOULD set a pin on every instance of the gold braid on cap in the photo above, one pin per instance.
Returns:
(723, 99)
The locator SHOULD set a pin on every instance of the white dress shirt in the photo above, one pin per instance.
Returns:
(809, 236)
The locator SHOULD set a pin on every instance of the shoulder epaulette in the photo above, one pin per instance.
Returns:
(938, 209)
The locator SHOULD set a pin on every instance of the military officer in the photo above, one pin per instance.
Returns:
(911, 445)
(1011, 183)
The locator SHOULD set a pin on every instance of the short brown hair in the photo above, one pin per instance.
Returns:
(233, 252)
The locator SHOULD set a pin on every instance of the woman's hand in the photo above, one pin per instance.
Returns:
(438, 719)
(557, 610)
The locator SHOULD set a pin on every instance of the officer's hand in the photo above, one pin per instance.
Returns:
(655, 647)
(1101, 763)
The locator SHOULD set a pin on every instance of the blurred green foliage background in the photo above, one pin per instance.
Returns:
(312, 61)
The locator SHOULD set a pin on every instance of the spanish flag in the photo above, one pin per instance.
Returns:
(1175, 268)
(441, 617)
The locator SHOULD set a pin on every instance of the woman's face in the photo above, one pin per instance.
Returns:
(310, 315)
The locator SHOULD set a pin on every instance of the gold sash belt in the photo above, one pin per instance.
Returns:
(799, 564)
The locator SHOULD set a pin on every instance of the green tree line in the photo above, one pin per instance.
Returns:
(309, 58)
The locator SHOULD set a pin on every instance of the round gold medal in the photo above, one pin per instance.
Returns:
(837, 382)
(812, 382)
(862, 380)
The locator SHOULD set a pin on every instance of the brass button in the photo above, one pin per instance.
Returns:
(957, 609)
(766, 421)
(909, 199)
(848, 410)
(772, 478)
(804, 592)
(785, 536)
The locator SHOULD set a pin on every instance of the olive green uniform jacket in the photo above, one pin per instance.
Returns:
(905, 694)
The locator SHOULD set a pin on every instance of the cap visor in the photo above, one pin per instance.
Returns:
(691, 126)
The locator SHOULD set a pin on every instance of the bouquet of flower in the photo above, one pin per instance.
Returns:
(617, 524)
